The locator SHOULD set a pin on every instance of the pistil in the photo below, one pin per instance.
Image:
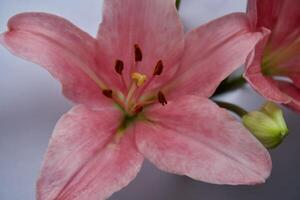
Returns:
(130, 93)
(138, 80)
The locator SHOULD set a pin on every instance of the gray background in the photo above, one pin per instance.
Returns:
(31, 103)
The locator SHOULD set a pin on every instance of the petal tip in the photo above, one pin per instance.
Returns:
(265, 169)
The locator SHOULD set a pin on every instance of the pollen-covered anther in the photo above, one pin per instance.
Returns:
(119, 66)
(138, 53)
(161, 98)
(158, 68)
(138, 78)
(108, 93)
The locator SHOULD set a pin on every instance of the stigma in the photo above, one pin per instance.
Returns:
(138, 78)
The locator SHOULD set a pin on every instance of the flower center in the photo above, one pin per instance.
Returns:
(135, 98)
(274, 61)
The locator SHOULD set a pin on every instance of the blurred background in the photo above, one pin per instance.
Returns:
(31, 103)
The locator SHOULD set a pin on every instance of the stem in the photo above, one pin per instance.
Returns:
(233, 108)
(178, 4)
(230, 85)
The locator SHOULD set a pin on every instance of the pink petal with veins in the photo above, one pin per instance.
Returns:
(62, 48)
(293, 92)
(296, 79)
(192, 136)
(212, 52)
(291, 63)
(83, 161)
(280, 50)
(264, 13)
(152, 24)
(264, 85)
(280, 16)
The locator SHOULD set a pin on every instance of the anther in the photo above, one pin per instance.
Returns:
(107, 93)
(138, 109)
(161, 98)
(119, 66)
(138, 53)
(138, 78)
(158, 68)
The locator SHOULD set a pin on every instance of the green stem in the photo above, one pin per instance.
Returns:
(178, 4)
(229, 85)
(233, 108)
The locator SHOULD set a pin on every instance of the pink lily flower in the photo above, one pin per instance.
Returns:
(278, 52)
(142, 91)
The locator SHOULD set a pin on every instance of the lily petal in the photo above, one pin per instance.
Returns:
(293, 92)
(291, 63)
(83, 162)
(153, 25)
(296, 78)
(208, 144)
(264, 85)
(264, 13)
(282, 17)
(212, 52)
(59, 46)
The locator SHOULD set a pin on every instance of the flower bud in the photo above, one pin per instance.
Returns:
(267, 125)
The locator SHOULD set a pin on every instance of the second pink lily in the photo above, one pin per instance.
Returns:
(277, 55)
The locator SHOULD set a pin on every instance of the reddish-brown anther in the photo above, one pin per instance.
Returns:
(119, 66)
(158, 68)
(161, 98)
(138, 53)
(107, 93)
(138, 109)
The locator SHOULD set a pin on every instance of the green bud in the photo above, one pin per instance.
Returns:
(267, 125)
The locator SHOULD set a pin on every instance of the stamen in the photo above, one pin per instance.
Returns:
(158, 68)
(138, 109)
(119, 66)
(138, 78)
(138, 53)
(161, 98)
(157, 71)
(107, 93)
